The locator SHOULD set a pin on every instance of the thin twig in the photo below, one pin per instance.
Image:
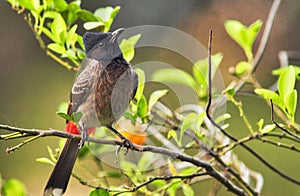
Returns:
(166, 178)
(278, 125)
(279, 144)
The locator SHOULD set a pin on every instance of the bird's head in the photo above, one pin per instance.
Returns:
(102, 46)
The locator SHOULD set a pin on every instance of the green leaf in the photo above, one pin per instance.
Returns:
(51, 154)
(141, 86)
(72, 36)
(189, 121)
(260, 124)
(268, 128)
(14, 187)
(73, 8)
(243, 35)
(200, 68)
(187, 190)
(127, 46)
(65, 116)
(223, 117)
(242, 67)
(286, 81)
(56, 48)
(171, 75)
(282, 69)
(58, 28)
(154, 97)
(113, 174)
(268, 94)
(173, 134)
(45, 160)
(60, 5)
(229, 91)
(115, 12)
(290, 101)
(36, 4)
(76, 116)
(86, 16)
(26, 4)
(99, 192)
(92, 25)
(142, 108)
(172, 190)
(107, 13)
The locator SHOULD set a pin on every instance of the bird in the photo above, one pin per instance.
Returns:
(102, 90)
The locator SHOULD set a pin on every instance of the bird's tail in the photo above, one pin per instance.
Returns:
(58, 181)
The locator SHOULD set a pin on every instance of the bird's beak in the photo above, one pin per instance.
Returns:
(116, 34)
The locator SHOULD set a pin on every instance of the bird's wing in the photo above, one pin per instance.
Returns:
(83, 84)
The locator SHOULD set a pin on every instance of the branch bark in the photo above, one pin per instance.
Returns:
(175, 155)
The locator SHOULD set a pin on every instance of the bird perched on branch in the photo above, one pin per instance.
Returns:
(101, 92)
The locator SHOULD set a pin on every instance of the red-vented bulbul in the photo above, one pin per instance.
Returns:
(105, 84)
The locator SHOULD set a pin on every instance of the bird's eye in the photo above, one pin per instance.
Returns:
(101, 44)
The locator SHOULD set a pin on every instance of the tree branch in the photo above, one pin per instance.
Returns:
(175, 155)
(266, 34)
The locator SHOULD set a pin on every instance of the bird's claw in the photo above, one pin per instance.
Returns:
(127, 144)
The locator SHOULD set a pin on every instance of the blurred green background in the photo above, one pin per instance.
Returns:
(32, 85)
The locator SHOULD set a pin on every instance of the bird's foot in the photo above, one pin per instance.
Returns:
(84, 136)
(125, 143)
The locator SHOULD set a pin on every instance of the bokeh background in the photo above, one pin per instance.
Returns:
(32, 85)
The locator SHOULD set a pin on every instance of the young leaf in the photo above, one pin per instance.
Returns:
(65, 116)
(99, 192)
(278, 71)
(174, 76)
(60, 5)
(56, 48)
(127, 46)
(268, 94)
(76, 116)
(242, 67)
(260, 124)
(200, 68)
(142, 108)
(26, 4)
(290, 101)
(140, 89)
(223, 117)
(92, 25)
(187, 190)
(286, 81)
(71, 38)
(243, 35)
(154, 97)
(86, 16)
(189, 121)
(229, 91)
(268, 128)
(45, 160)
(58, 28)
(173, 134)
(14, 187)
